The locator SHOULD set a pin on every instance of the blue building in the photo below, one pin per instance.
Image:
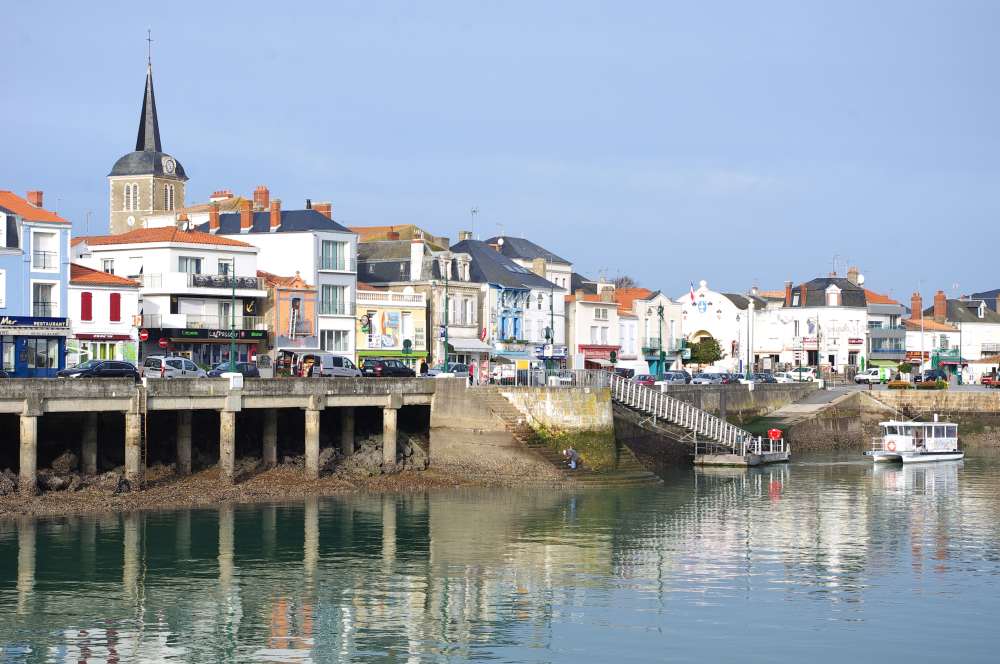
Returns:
(34, 273)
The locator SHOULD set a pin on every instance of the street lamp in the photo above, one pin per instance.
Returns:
(232, 319)
(444, 361)
(663, 354)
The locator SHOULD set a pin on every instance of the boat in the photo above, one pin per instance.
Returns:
(913, 442)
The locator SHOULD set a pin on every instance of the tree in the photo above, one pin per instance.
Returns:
(706, 351)
(625, 281)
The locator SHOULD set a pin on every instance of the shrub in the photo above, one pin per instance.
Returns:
(936, 385)
(900, 385)
(905, 367)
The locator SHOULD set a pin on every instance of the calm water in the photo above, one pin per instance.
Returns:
(826, 559)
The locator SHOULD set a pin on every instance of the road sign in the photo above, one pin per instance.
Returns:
(163, 342)
(143, 335)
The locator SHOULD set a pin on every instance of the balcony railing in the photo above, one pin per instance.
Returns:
(44, 260)
(198, 321)
(336, 308)
(381, 298)
(43, 310)
(652, 344)
(344, 264)
(172, 280)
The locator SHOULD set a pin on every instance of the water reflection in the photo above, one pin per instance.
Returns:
(506, 574)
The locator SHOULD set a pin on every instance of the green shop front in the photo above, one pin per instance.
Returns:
(205, 347)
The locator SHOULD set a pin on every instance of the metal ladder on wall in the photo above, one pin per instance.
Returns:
(708, 432)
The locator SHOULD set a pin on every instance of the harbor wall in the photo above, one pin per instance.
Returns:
(976, 413)
(739, 402)
(561, 409)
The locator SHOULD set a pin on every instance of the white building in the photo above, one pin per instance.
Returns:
(103, 312)
(721, 316)
(658, 320)
(978, 329)
(189, 284)
(592, 328)
(306, 241)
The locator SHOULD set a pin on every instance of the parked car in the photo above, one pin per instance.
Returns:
(162, 366)
(328, 365)
(645, 379)
(387, 368)
(802, 374)
(626, 373)
(707, 379)
(4, 374)
(872, 375)
(931, 375)
(503, 374)
(783, 377)
(246, 368)
(101, 369)
(675, 378)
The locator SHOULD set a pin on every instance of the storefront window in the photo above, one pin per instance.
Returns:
(7, 351)
(42, 353)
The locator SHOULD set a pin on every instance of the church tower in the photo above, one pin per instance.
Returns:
(147, 181)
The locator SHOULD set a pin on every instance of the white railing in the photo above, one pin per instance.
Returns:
(388, 297)
(661, 406)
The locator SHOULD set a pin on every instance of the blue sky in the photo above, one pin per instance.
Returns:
(735, 142)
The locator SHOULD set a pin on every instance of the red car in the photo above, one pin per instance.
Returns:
(645, 379)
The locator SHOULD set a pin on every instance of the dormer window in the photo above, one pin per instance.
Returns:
(833, 296)
(982, 310)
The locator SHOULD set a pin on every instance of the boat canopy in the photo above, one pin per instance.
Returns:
(920, 429)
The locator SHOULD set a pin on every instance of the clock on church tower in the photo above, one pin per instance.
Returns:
(147, 181)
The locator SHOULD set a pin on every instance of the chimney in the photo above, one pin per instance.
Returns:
(325, 209)
(788, 293)
(309, 204)
(213, 218)
(580, 294)
(246, 217)
(608, 295)
(261, 198)
(35, 198)
(538, 267)
(416, 259)
(496, 247)
(940, 306)
(852, 275)
(802, 295)
(916, 307)
(220, 195)
(464, 235)
(275, 214)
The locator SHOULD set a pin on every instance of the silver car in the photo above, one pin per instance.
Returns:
(674, 378)
(707, 379)
(162, 366)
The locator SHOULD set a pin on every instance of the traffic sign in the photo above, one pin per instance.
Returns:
(143, 335)
(163, 342)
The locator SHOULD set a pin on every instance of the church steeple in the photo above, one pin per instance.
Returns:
(148, 139)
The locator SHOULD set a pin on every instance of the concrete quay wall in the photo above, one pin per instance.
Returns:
(562, 409)
(739, 403)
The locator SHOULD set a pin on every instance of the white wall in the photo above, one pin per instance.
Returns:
(159, 258)
(101, 322)
(974, 335)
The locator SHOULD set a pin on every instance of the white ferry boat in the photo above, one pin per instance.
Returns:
(912, 442)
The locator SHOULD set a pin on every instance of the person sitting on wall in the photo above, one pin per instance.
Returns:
(573, 459)
(423, 367)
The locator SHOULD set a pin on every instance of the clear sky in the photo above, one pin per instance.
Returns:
(737, 142)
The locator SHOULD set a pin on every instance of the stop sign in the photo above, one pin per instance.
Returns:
(143, 335)
(163, 342)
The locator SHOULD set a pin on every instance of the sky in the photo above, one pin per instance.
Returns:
(743, 143)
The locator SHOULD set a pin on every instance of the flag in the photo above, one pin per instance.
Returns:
(692, 292)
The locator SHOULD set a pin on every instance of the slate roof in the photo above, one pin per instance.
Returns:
(966, 311)
(292, 221)
(524, 249)
(83, 275)
(490, 266)
(148, 157)
(742, 301)
(579, 282)
(163, 234)
(851, 295)
(14, 204)
(990, 296)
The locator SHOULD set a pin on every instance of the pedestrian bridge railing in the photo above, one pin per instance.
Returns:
(707, 431)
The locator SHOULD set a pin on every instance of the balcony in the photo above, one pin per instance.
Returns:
(335, 308)
(44, 260)
(203, 322)
(388, 298)
(206, 284)
(334, 264)
(651, 345)
(887, 332)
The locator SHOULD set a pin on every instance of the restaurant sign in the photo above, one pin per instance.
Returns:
(28, 321)
(210, 334)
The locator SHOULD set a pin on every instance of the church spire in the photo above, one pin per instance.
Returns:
(148, 139)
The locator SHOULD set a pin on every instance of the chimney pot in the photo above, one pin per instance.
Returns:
(852, 274)
(325, 209)
(309, 204)
(261, 198)
(275, 214)
(788, 293)
(246, 217)
(213, 218)
(916, 307)
(35, 198)
(802, 295)
(940, 306)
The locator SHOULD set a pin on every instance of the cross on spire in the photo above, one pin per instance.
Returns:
(149, 48)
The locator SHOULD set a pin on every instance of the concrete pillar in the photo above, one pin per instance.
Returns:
(133, 450)
(312, 444)
(130, 554)
(310, 549)
(389, 437)
(227, 529)
(26, 533)
(88, 448)
(184, 442)
(27, 481)
(347, 431)
(227, 445)
(270, 451)
(388, 532)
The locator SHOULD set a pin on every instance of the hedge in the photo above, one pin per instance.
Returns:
(936, 385)
(900, 385)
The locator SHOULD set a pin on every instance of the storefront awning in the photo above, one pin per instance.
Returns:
(883, 363)
(460, 345)
(599, 362)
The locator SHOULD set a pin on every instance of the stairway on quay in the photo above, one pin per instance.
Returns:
(628, 470)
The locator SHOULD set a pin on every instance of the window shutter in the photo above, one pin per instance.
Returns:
(86, 306)
(116, 307)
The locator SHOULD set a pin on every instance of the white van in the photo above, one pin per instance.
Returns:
(328, 365)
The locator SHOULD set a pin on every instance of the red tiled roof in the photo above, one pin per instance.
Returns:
(930, 325)
(164, 234)
(626, 296)
(877, 298)
(286, 282)
(20, 206)
(81, 274)
(771, 294)
(368, 287)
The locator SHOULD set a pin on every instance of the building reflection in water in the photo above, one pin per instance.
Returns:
(455, 572)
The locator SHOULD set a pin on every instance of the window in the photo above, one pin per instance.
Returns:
(470, 312)
(832, 299)
(332, 301)
(189, 264)
(333, 255)
(116, 307)
(600, 314)
(44, 251)
(225, 266)
(42, 298)
(131, 201)
(334, 340)
(604, 336)
(795, 301)
(7, 343)
(168, 197)
(593, 334)
(42, 353)
(108, 265)
(128, 197)
(539, 301)
(86, 305)
(796, 325)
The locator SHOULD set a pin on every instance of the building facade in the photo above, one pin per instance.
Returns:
(34, 273)
(392, 324)
(658, 327)
(724, 317)
(290, 314)
(103, 312)
(592, 328)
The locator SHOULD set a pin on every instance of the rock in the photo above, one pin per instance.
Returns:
(244, 467)
(51, 482)
(75, 483)
(328, 458)
(123, 485)
(7, 486)
(108, 481)
(294, 461)
(65, 463)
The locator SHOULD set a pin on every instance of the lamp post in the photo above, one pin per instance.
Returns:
(232, 319)
(749, 346)
(444, 361)
(662, 354)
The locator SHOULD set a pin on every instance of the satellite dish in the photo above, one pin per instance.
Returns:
(500, 241)
(861, 279)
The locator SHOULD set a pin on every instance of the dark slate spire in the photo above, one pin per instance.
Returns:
(148, 139)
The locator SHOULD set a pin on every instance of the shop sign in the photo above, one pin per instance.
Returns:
(104, 337)
(915, 356)
(28, 321)
(199, 333)
(855, 342)
(549, 352)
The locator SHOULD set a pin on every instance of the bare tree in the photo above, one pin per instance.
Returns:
(625, 281)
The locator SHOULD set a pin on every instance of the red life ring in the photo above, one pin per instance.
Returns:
(891, 446)
(774, 434)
